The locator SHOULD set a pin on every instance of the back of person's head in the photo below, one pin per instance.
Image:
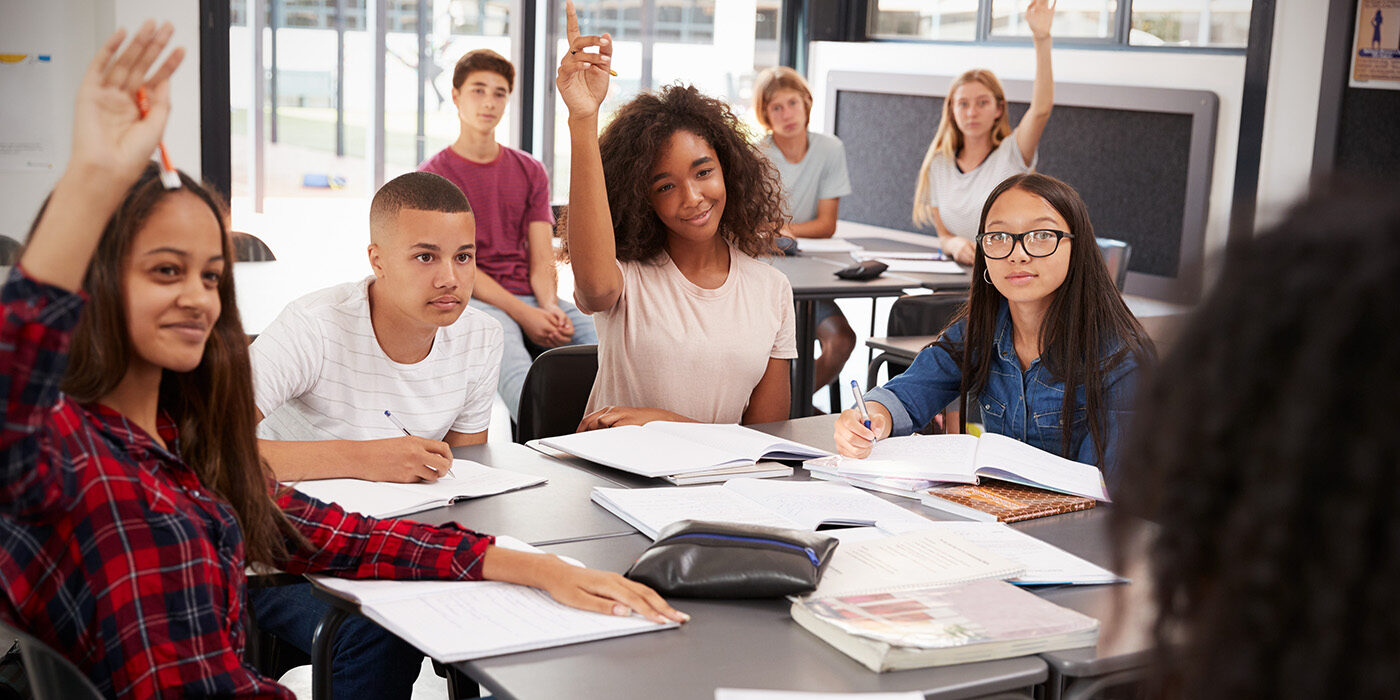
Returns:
(416, 190)
(212, 405)
(1087, 329)
(772, 80)
(483, 60)
(1266, 450)
(635, 139)
(948, 140)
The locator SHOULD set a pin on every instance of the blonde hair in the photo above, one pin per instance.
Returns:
(949, 139)
(770, 82)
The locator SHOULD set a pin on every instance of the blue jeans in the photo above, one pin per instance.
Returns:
(368, 660)
(515, 358)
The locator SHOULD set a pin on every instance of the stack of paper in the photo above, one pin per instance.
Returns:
(666, 449)
(458, 620)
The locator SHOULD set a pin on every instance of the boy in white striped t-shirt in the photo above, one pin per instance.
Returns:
(326, 370)
(402, 340)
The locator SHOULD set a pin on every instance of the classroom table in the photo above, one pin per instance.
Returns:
(814, 279)
(727, 643)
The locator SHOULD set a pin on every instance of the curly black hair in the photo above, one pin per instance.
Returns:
(1266, 449)
(631, 143)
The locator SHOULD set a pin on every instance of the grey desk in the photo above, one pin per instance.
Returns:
(557, 511)
(901, 347)
(737, 644)
(814, 279)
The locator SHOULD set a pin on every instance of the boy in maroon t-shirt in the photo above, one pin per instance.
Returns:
(509, 193)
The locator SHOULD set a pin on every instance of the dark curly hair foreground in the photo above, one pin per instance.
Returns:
(1267, 451)
(631, 144)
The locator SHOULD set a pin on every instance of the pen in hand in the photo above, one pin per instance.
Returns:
(860, 405)
(393, 419)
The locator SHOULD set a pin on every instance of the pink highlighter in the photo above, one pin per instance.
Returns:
(168, 176)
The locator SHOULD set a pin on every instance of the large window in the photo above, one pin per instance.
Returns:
(1178, 23)
(716, 45)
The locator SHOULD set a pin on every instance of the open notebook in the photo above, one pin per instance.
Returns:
(458, 620)
(665, 448)
(387, 500)
(800, 505)
(919, 460)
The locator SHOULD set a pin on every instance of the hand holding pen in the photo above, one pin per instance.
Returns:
(440, 449)
(858, 428)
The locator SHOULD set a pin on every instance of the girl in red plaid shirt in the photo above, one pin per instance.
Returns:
(132, 495)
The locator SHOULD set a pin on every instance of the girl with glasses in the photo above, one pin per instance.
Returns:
(1045, 346)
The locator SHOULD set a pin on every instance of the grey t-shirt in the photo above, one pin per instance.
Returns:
(821, 174)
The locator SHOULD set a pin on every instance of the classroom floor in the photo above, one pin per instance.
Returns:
(428, 687)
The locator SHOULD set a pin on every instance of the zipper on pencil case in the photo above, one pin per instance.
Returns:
(811, 553)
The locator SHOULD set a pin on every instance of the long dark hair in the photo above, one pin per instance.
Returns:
(1266, 451)
(1087, 318)
(212, 405)
(630, 145)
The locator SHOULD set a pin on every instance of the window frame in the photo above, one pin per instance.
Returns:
(1122, 27)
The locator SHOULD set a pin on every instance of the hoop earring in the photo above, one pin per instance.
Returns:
(985, 277)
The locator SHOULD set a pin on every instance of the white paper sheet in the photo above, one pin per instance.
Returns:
(387, 500)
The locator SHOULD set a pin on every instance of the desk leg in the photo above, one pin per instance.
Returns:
(321, 652)
(804, 365)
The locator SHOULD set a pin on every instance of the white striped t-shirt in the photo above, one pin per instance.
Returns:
(319, 373)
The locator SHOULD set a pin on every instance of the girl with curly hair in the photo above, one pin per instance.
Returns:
(1265, 450)
(667, 211)
(1044, 345)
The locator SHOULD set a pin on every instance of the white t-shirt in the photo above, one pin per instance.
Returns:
(960, 196)
(821, 174)
(669, 343)
(319, 373)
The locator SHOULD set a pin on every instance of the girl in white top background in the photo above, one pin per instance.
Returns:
(668, 210)
(971, 152)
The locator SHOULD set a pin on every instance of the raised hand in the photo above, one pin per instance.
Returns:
(583, 76)
(1039, 15)
(109, 134)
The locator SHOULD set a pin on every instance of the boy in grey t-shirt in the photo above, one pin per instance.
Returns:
(813, 170)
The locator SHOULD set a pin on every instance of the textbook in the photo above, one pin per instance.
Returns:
(1007, 503)
(459, 620)
(380, 499)
(967, 459)
(1044, 564)
(665, 448)
(943, 625)
(798, 505)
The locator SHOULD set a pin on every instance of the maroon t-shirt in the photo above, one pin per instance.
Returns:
(506, 195)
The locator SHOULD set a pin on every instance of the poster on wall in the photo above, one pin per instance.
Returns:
(1375, 57)
(27, 84)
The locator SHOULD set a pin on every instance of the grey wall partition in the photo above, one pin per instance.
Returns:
(1140, 157)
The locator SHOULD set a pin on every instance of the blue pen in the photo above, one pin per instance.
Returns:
(860, 404)
(400, 426)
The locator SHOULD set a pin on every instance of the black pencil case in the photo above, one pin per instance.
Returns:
(697, 559)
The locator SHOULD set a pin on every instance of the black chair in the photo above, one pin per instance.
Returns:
(9, 251)
(250, 248)
(267, 652)
(556, 392)
(49, 674)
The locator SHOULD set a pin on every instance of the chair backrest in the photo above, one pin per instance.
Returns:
(924, 314)
(1115, 256)
(250, 248)
(9, 251)
(51, 676)
(556, 392)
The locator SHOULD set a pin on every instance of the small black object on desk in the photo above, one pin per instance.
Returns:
(863, 270)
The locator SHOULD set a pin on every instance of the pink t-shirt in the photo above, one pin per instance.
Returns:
(506, 195)
(669, 343)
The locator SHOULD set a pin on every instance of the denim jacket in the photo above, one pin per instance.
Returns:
(1023, 405)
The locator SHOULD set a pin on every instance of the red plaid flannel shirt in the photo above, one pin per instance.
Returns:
(114, 553)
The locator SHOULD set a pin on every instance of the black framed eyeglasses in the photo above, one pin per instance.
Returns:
(1039, 243)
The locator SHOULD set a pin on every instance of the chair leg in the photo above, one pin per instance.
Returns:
(834, 389)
